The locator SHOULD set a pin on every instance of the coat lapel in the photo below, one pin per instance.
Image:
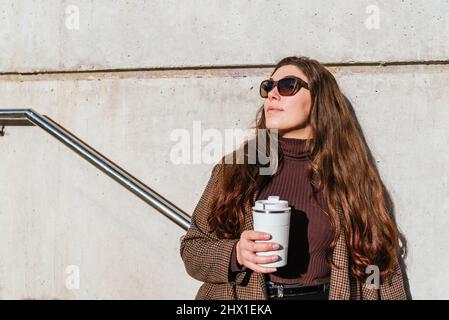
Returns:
(339, 283)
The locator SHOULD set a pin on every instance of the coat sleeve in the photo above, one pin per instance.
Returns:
(206, 257)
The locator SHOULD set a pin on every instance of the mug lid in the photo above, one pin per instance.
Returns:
(272, 203)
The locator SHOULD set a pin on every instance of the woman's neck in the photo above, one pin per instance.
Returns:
(303, 133)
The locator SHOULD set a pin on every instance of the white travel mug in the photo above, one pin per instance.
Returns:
(273, 216)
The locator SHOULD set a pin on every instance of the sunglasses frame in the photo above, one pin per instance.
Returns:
(298, 85)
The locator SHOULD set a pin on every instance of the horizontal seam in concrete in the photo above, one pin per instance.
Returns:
(224, 67)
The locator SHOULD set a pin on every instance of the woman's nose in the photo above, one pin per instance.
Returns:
(273, 94)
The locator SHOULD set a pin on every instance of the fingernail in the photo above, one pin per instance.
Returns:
(275, 246)
(267, 236)
(275, 258)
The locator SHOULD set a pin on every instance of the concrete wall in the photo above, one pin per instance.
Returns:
(101, 80)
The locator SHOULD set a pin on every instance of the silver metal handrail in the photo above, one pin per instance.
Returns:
(29, 117)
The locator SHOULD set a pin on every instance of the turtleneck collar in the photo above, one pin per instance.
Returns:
(293, 148)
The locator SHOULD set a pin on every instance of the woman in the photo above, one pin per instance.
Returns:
(341, 232)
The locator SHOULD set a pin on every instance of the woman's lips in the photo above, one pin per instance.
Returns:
(273, 110)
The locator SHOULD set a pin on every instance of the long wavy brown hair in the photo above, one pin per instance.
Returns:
(338, 163)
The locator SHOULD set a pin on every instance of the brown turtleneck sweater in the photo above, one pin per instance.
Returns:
(310, 229)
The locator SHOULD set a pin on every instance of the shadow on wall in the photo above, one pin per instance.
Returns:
(390, 208)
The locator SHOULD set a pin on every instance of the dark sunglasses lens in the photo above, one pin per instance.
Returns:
(287, 86)
(265, 87)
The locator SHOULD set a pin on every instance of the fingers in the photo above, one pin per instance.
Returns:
(259, 259)
(255, 235)
(248, 247)
(253, 258)
(259, 246)
(265, 246)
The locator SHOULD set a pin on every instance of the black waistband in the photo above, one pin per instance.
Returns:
(281, 290)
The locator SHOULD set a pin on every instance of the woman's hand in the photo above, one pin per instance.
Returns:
(247, 247)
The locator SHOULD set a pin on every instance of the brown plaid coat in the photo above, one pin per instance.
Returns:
(207, 259)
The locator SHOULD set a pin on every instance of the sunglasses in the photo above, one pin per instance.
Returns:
(287, 86)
